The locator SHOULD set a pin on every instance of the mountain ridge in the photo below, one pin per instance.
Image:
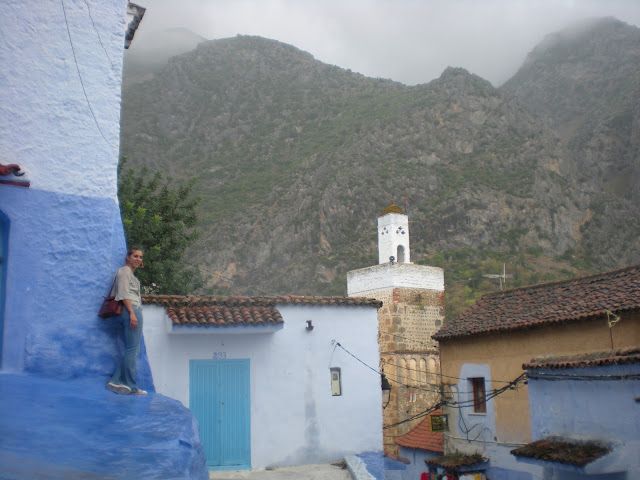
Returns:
(296, 159)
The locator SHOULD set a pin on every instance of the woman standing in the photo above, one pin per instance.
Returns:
(126, 288)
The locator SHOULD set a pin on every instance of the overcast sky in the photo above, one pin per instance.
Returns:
(411, 41)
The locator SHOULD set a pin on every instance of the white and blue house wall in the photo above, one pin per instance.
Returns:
(63, 238)
(293, 417)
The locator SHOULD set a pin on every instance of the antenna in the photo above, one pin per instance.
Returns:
(502, 277)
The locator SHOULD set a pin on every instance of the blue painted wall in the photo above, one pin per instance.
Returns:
(60, 89)
(4, 242)
(599, 410)
(417, 463)
(64, 250)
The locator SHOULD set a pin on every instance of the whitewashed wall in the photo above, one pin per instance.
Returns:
(393, 230)
(64, 232)
(46, 120)
(294, 418)
(378, 277)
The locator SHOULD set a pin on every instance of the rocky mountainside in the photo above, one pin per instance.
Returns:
(585, 82)
(294, 159)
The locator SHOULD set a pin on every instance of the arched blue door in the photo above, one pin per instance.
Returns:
(4, 247)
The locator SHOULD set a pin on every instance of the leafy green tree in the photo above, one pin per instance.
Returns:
(160, 218)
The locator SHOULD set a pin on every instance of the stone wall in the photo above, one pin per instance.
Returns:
(409, 356)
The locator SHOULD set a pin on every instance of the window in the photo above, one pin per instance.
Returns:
(479, 395)
(402, 367)
(413, 371)
(400, 254)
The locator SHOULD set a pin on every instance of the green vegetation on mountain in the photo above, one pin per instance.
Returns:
(295, 159)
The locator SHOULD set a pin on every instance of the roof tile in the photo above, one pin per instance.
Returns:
(239, 310)
(549, 303)
(585, 360)
(422, 437)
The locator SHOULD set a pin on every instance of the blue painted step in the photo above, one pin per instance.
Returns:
(79, 430)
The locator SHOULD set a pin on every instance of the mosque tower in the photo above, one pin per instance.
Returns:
(412, 311)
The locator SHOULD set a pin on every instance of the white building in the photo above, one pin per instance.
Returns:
(269, 378)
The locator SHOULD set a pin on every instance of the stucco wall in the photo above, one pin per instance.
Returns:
(294, 417)
(364, 281)
(417, 463)
(393, 231)
(45, 119)
(65, 234)
(602, 410)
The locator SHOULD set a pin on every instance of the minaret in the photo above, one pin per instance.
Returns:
(393, 236)
(412, 311)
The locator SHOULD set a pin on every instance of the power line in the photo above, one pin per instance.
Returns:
(390, 376)
(98, 33)
(84, 91)
(439, 374)
(460, 405)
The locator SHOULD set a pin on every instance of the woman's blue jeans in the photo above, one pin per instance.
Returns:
(125, 374)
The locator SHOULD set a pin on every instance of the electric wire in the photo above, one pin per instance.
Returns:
(439, 374)
(98, 33)
(84, 91)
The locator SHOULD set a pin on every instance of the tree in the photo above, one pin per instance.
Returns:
(160, 218)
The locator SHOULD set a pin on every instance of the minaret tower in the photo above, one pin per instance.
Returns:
(412, 311)
(393, 236)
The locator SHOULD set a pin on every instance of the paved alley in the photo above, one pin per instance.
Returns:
(304, 472)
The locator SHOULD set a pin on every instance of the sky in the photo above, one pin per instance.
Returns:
(410, 41)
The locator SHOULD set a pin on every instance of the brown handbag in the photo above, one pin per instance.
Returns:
(110, 306)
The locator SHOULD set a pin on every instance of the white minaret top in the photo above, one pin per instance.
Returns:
(393, 236)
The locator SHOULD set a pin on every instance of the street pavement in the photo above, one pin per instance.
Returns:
(303, 472)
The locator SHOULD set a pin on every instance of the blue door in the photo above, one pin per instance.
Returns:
(4, 240)
(219, 398)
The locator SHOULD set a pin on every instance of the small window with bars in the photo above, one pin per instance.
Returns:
(479, 394)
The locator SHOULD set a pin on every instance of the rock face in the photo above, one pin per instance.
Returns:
(295, 159)
(585, 83)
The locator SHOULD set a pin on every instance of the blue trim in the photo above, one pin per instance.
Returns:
(4, 258)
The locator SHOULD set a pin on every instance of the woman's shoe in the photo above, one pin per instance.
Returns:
(138, 391)
(119, 388)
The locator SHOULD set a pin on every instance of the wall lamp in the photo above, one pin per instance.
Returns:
(309, 326)
(386, 390)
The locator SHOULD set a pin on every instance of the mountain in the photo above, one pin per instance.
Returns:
(585, 82)
(294, 159)
(151, 51)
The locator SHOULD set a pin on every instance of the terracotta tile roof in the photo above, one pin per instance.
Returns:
(549, 303)
(233, 311)
(584, 360)
(554, 449)
(454, 461)
(422, 437)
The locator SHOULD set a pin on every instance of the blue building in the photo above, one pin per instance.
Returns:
(585, 415)
(61, 239)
